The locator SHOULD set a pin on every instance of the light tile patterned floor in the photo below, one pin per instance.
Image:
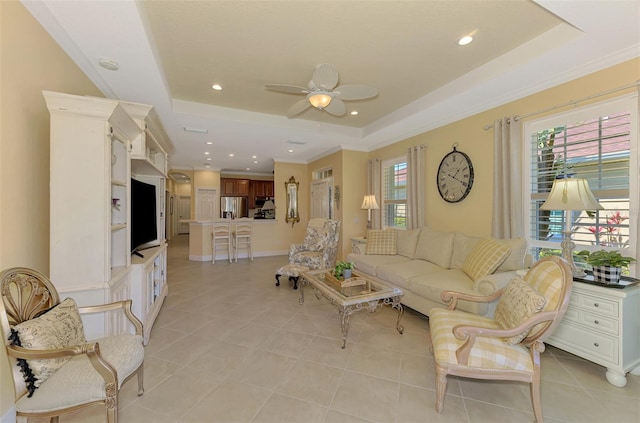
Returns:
(229, 346)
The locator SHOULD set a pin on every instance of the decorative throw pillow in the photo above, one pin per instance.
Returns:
(315, 239)
(59, 327)
(484, 258)
(518, 302)
(515, 260)
(381, 241)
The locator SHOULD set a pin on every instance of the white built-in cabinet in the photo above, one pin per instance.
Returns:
(96, 146)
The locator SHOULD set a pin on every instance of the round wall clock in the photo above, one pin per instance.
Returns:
(455, 176)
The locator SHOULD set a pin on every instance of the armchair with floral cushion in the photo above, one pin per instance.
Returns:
(319, 248)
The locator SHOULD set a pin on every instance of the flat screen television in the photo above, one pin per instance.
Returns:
(144, 227)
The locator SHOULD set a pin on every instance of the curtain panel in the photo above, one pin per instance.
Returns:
(374, 186)
(507, 216)
(416, 187)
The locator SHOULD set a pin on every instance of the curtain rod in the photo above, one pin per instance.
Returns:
(572, 102)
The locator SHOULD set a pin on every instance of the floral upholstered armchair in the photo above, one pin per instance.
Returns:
(319, 248)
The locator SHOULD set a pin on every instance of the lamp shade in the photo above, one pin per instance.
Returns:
(319, 100)
(571, 194)
(370, 203)
(268, 205)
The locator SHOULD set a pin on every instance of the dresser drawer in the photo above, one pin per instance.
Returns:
(586, 343)
(595, 304)
(600, 322)
(593, 320)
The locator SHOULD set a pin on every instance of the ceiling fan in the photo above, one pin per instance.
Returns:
(323, 94)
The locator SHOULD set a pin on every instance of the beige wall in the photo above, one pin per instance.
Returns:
(473, 215)
(30, 61)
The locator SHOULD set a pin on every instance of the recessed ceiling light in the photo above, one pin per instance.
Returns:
(290, 150)
(254, 157)
(109, 64)
(354, 113)
(206, 152)
(255, 161)
(209, 158)
(248, 168)
(217, 87)
(465, 40)
(209, 142)
(230, 154)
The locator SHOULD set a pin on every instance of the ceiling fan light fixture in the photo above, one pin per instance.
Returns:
(319, 100)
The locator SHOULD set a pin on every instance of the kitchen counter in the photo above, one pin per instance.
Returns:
(267, 238)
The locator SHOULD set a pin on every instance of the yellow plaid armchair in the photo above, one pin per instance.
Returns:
(507, 346)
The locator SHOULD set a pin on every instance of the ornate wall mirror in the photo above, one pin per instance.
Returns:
(292, 201)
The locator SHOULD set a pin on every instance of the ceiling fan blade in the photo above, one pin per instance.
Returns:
(291, 89)
(298, 107)
(325, 76)
(336, 107)
(355, 92)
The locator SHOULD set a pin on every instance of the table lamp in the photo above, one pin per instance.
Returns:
(369, 203)
(570, 194)
(268, 207)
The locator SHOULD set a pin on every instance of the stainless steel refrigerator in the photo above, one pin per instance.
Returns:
(233, 207)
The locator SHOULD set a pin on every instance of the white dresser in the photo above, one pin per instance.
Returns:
(359, 245)
(602, 325)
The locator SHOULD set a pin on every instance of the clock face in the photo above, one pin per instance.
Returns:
(455, 176)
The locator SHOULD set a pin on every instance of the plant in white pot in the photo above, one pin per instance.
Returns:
(606, 265)
(343, 269)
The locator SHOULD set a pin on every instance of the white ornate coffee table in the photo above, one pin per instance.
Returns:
(371, 296)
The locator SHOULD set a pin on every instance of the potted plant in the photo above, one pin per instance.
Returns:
(606, 265)
(343, 269)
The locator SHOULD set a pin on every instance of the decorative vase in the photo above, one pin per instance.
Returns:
(607, 274)
(346, 273)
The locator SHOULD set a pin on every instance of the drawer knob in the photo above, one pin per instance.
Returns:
(596, 344)
(597, 322)
(596, 305)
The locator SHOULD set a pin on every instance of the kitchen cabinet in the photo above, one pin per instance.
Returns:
(231, 186)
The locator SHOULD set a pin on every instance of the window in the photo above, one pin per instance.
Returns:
(598, 143)
(394, 193)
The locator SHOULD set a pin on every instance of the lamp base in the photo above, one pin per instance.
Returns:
(567, 254)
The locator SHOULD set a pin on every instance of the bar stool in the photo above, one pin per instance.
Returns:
(242, 236)
(221, 236)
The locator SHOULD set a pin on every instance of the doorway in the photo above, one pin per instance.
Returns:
(184, 214)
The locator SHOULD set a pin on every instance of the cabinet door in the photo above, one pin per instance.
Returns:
(228, 186)
(258, 187)
(242, 187)
(268, 189)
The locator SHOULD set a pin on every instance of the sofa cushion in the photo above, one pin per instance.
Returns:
(369, 263)
(381, 241)
(515, 259)
(435, 246)
(462, 246)
(406, 241)
(518, 302)
(484, 258)
(432, 285)
(59, 327)
(399, 273)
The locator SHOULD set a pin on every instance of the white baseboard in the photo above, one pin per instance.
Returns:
(242, 255)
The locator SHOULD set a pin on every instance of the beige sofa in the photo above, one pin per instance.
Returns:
(425, 262)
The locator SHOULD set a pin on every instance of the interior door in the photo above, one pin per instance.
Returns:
(184, 214)
(206, 204)
(321, 205)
